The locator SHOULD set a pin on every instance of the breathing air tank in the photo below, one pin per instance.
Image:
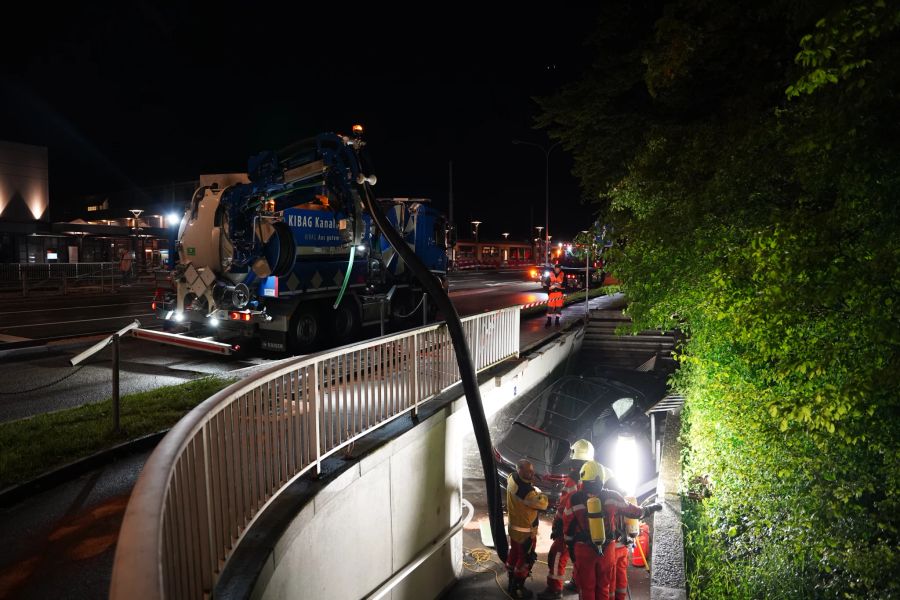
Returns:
(595, 520)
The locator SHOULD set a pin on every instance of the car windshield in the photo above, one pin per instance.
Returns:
(538, 446)
(573, 396)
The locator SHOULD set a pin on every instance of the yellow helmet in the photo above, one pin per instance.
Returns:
(607, 473)
(591, 470)
(582, 450)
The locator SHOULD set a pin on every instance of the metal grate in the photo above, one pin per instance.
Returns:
(671, 402)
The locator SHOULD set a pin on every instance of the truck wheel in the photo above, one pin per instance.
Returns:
(305, 330)
(345, 322)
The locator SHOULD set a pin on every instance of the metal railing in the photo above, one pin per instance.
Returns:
(61, 276)
(39, 271)
(224, 462)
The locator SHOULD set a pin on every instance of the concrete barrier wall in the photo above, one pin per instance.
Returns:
(382, 511)
(667, 581)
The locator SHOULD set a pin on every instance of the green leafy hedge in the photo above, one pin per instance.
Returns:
(758, 206)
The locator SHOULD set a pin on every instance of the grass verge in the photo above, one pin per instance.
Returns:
(29, 447)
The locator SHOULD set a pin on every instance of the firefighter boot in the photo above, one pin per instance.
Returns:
(518, 589)
(571, 585)
(550, 594)
(549, 318)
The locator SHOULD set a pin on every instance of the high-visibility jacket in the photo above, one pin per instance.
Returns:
(523, 501)
(557, 280)
(555, 298)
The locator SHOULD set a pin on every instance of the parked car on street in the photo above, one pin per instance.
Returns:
(573, 271)
(539, 274)
(603, 407)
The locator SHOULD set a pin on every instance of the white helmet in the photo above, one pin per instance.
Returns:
(582, 450)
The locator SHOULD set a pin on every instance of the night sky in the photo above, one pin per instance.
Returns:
(141, 95)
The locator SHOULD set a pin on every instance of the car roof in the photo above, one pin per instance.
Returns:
(569, 405)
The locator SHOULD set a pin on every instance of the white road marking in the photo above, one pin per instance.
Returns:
(80, 321)
(12, 338)
(18, 312)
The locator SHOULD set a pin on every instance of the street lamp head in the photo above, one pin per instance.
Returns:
(173, 219)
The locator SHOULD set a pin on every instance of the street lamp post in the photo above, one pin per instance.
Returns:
(137, 233)
(546, 152)
(539, 228)
(587, 276)
(477, 249)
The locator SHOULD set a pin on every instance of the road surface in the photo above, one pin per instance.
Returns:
(44, 318)
(144, 365)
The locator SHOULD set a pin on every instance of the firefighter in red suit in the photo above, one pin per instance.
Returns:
(595, 560)
(619, 581)
(555, 299)
(558, 556)
(523, 501)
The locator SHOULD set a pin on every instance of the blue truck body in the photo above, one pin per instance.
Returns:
(266, 258)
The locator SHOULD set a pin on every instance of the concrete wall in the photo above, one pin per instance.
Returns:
(376, 516)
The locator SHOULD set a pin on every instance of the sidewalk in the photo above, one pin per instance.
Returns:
(534, 329)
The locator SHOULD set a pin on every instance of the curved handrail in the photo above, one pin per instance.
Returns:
(424, 554)
(229, 457)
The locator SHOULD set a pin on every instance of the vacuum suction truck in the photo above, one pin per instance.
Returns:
(287, 255)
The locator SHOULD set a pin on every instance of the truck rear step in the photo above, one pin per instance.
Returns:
(185, 341)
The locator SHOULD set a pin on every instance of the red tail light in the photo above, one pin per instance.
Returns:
(153, 306)
(239, 316)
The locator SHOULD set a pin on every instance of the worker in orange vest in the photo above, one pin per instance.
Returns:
(555, 301)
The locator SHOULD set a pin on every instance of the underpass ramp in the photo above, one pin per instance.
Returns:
(646, 350)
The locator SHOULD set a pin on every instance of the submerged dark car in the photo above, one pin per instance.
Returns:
(598, 407)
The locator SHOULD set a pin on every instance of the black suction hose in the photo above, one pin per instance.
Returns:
(466, 367)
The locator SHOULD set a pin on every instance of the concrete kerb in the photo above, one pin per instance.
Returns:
(668, 577)
(19, 349)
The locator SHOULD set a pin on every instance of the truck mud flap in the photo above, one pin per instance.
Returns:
(185, 341)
